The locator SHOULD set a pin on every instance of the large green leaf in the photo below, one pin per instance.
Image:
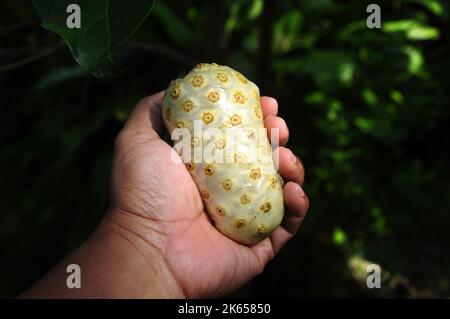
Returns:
(105, 25)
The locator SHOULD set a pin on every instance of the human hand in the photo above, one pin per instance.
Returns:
(156, 199)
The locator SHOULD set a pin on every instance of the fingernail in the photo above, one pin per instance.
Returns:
(300, 191)
(293, 158)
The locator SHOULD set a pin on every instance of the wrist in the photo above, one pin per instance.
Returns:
(141, 264)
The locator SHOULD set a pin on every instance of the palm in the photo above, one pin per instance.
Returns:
(191, 242)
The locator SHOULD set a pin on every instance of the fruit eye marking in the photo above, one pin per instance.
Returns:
(190, 166)
(266, 207)
(245, 199)
(205, 194)
(227, 184)
(239, 98)
(255, 173)
(208, 118)
(222, 77)
(221, 143)
(235, 120)
(261, 229)
(213, 96)
(255, 95)
(209, 169)
(175, 94)
(197, 81)
(257, 111)
(195, 141)
(241, 78)
(200, 65)
(179, 124)
(168, 114)
(220, 211)
(240, 158)
(188, 105)
(240, 223)
(273, 182)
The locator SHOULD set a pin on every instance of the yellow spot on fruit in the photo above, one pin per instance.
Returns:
(255, 173)
(273, 182)
(240, 223)
(245, 199)
(221, 143)
(257, 111)
(227, 184)
(220, 211)
(255, 95)
(205, 194)
(241, 78)
(235, 120)
(261, 229)
(209, 169)
(240, 158)
(222, 77)
(168, 114)
(175, 93)
(239, 98)
(195, 141)
(207, 118)
(197, 81)
(213, 96)
(200, 65)
(188, 105)
(179, 124)
(266, 207)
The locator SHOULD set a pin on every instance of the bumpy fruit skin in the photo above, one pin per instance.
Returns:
(244, 199)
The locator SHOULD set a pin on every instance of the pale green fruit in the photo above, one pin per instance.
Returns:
(244, 198)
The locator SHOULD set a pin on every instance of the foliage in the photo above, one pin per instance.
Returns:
(367, 110)
(105, 26)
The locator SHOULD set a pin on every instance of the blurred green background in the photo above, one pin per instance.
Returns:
(368, 112)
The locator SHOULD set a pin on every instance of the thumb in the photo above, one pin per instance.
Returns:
(146, 117)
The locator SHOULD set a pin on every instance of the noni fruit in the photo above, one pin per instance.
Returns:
(242, 195)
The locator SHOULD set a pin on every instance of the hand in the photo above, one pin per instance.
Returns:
(155, 201)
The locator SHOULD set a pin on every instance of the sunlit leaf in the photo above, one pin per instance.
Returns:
(414, 30)
(339, 237)
(415, 59)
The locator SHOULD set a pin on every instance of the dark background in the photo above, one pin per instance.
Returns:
(368, 112)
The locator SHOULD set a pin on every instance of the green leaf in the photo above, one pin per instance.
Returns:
(414, 30)
(339, 237)
(433, 5)
(415, 63)
(105, 25)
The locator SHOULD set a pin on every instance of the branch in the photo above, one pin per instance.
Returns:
(41, 54)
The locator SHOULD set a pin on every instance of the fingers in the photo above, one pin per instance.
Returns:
(269, 106)
(290, 167)
(273, 123)
(147, 116)
(297, 207)
(297, 203)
